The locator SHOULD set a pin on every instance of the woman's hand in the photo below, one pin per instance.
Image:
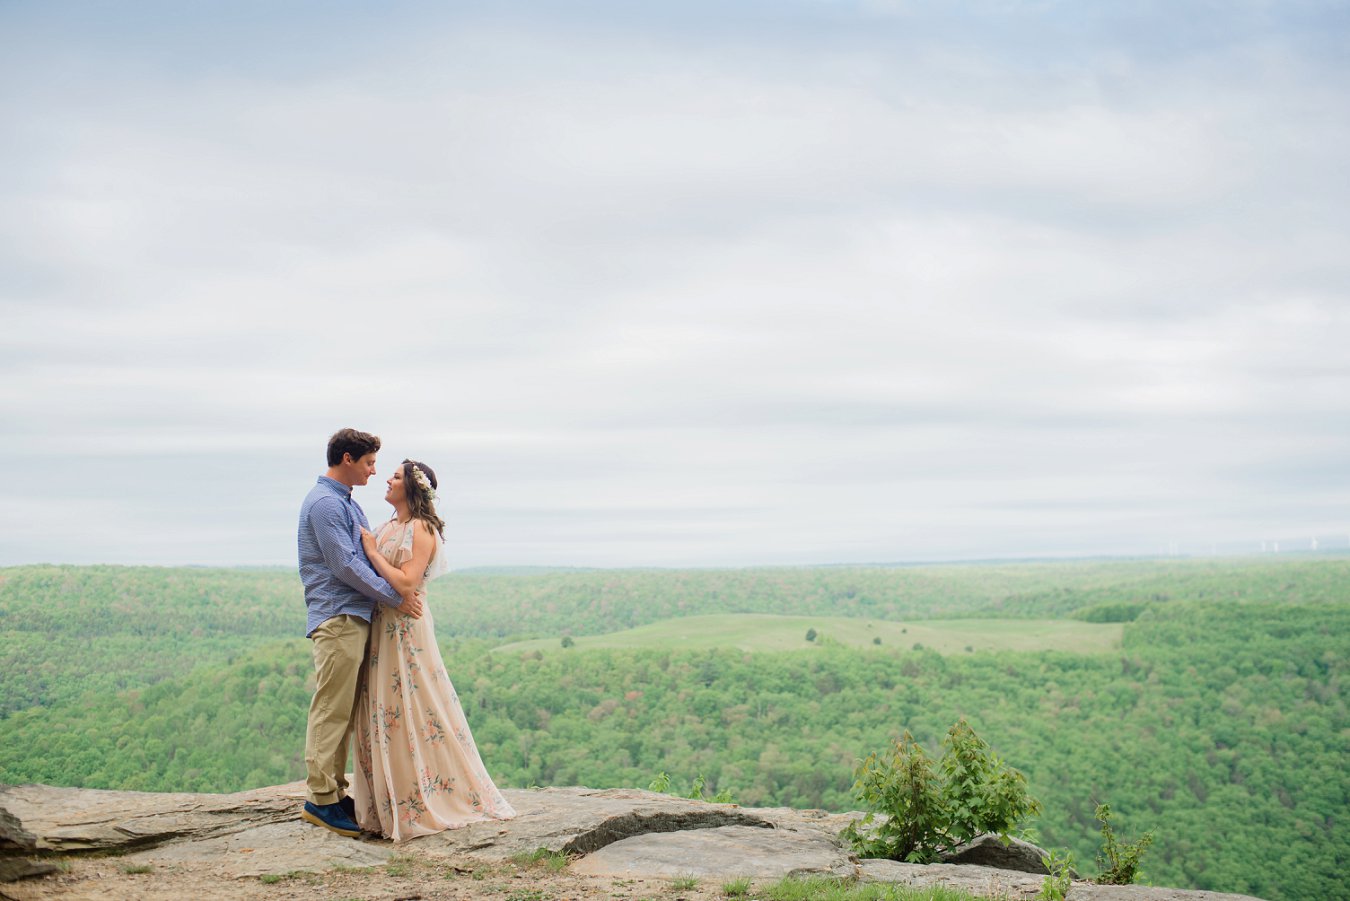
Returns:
(368, 542)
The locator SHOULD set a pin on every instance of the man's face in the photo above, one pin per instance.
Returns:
(360, 470)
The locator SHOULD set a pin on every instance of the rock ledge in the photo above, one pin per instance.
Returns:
(611, 833)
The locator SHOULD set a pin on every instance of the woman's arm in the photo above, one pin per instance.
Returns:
(406, 579)
(332, 532)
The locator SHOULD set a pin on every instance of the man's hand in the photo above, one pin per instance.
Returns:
(412, 605)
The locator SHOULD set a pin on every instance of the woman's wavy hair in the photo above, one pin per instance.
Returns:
(420, 502)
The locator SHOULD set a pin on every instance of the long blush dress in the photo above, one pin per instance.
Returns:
(417, 768)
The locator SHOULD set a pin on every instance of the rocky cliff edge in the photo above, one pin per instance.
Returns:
(81, 844)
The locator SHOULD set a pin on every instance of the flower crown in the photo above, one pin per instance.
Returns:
(423, 482)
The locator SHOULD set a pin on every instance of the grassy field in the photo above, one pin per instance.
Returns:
(766, 632)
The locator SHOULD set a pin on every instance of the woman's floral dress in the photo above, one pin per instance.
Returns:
(417, 767)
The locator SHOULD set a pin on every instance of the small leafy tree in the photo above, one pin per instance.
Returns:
(1119, 864)
(1055, 887)
(928, 811)
(983, 793)
(901, 784)
(810, 634)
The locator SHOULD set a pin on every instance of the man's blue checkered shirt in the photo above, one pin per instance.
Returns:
(338, 578)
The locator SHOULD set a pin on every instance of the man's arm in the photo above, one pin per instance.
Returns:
(344, 557)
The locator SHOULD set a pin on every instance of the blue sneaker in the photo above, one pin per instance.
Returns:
(348, 806)
(330, 816)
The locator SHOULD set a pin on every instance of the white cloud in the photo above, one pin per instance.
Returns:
(708, 296)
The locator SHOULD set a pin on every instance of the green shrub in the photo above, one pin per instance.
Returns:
(698, 792)
(1055, 887)
(928, 811)
(1119, 864)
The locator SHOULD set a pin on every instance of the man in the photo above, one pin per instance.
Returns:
(341, 590)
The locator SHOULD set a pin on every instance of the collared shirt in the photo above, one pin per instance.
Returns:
(338, 578)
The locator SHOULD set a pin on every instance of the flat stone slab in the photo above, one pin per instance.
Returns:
(275, 848)
(724, 852)
(987, 882)
(86, 819)
(244, 834)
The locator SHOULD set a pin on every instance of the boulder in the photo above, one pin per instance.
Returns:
(14, 839)
(990, 851)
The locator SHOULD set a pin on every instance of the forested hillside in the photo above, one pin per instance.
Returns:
(1220, 721)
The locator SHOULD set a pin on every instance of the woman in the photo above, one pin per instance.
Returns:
(417, 768)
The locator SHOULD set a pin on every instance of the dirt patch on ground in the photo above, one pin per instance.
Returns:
(402, 879)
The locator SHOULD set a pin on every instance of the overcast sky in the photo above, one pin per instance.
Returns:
(678, 284)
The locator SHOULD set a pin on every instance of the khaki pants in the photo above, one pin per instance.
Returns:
(339, 652)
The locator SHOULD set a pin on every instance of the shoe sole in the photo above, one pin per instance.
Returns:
(311, 818)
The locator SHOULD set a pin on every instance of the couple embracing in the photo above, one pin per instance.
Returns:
(380, 680)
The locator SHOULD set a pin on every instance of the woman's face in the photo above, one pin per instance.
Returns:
(395, 495)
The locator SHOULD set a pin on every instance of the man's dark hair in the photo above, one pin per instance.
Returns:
(350, 441)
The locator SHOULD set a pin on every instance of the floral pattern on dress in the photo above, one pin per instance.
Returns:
(432, 730)
(435, 782)
(410, 780)
(385, 721)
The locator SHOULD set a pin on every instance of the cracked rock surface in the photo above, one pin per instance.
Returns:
(609, 834)
(582, 820)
